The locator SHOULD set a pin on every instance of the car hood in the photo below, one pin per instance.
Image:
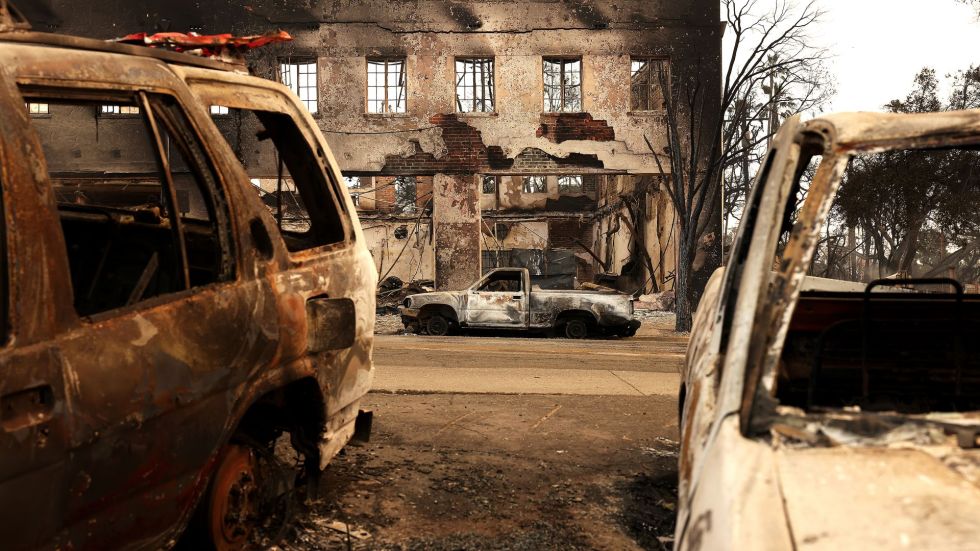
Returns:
(881, 498)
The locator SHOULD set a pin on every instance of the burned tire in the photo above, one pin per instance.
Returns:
(576, 328)
(231, 503)
(437, 325)
(247, 504)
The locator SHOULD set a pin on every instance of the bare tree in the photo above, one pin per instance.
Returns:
(773, 69)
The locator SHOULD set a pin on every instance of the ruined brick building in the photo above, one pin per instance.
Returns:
(472, 134)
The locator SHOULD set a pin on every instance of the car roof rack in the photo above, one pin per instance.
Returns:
(220, 52)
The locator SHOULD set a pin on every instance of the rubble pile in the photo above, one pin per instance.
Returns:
(392, 291)
(662, 302)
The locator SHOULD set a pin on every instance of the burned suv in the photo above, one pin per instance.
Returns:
(167, 315)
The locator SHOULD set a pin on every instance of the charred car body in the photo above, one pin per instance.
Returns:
(841, 412)
(160, 330)
(505, 299)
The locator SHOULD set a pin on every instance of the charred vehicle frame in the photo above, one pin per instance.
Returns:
(151, 358)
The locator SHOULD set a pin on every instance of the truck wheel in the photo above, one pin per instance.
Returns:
(437, 325)
(576, 329)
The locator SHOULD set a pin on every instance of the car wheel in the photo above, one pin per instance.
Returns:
(437, 325)
(232, 503)
(576, 329)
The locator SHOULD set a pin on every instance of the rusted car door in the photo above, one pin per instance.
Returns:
(325, 258)
(35, 410)
(155, 378)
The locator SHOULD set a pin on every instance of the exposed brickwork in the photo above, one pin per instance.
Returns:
(384, 193)
(561, 127)
(563, 233)
(423, 191)
(467, 154)
(533, 160)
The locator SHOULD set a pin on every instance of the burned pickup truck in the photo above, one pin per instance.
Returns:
(162, 329)
(831, 393)
(505, 299)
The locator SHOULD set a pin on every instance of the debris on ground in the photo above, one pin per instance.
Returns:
(480, 484)
(663, 302)
(392, 291)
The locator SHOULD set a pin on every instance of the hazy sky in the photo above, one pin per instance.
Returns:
(879, 45)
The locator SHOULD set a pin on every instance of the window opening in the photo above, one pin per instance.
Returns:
(474, 85)
(489, 184)
(353, 182)
(646, 90)
(534, 184)
(117, 109)
(219, 110)
(503, 282)
(570, 184)
(386, 86)
(562, 85)
(37, 108)
(289, 177)
(406, 194)
(300, 77)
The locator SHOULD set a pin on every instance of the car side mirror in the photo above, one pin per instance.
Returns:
(331, 323)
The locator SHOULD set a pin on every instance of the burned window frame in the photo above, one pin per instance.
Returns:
(401, 86)
(566, 189)
(38, 109)
(562, 87)
(402, 205)
(312, 103)
(527, 185)
(493, 183)
(167, 122)
(269, 99)
(651, 86)
(483, 94)
(355, 197)
(111, 110)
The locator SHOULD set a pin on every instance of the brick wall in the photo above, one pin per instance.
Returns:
(533, 160)
(467, 154)
(563, 233)
(560, 127)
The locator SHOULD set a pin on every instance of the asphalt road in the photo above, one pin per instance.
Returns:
(640, 366)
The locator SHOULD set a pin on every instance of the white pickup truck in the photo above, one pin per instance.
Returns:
(505, 299)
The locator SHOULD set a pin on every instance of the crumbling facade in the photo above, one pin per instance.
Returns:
(480, 134)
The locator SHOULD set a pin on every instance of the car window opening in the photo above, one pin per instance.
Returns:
(141, 208)
(503, 282)
(289, 178)
(887, 319)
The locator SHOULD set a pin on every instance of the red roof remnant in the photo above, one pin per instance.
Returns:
(208, 45)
